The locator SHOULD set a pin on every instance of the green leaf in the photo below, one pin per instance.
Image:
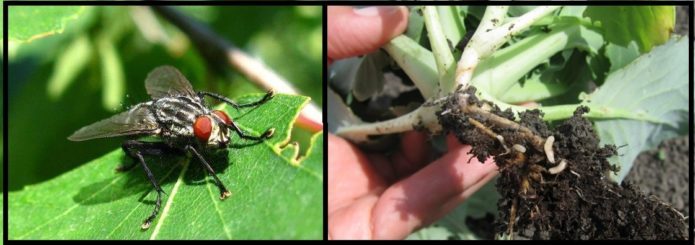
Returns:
(2, 213)
(369, 79)
(444, 59)
(554, 80)
(2, 22)
(647, 25)
(655, 85)
(416, 24)
(26, 23)
(112, 74)
(69, 65)
(273, 196)
(621, 56)
(502, 70)
(519, 10)
(452, 24)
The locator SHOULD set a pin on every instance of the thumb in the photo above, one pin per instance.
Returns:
(353, 32)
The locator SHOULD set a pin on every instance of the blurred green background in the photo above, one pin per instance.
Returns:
(88, 63)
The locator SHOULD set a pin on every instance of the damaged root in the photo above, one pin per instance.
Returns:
(567, 206)
(502, 122)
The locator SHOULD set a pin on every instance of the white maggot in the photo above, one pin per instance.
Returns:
(519, 148)
(557, 169)
(548, 148)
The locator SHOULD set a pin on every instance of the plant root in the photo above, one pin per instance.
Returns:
(600, 209)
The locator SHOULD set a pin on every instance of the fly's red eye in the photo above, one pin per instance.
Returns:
(202, 128)
(224, 116)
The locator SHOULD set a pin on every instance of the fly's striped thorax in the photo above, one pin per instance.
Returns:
(177, 114)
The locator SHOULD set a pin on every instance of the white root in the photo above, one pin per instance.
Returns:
(519, 148)
(548, 148)
(559, 168)
(501, 139)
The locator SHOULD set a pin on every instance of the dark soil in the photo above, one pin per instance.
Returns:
(663, 172)
(578, 202)
(483, 227)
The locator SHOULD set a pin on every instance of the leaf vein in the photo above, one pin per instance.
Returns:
(170, 200)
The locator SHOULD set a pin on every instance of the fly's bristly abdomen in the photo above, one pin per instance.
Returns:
(177, 114)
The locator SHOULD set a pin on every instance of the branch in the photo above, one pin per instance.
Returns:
(219, 54)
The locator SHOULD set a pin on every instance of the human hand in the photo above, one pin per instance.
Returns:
(373, 196)
(353, 32)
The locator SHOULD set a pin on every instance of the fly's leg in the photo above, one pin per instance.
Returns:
(267, 134)
(265, 98)
(136, 149)
(224, 193)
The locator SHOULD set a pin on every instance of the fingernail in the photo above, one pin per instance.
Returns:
(374, 11)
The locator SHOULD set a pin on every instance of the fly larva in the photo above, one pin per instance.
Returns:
(519, 148)
(557, 169)
(548, 148)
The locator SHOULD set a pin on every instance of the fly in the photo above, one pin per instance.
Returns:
(180, 118)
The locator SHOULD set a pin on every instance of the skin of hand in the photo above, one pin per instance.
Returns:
(353, 32)
(374, 196)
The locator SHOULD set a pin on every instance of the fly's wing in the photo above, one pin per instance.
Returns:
(138, 120)
(166, 81)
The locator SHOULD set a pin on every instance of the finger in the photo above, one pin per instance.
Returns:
(352, 222)
(349, 173)
(412, 155)
(353, 32)
(383, 167)
(455, 201)
(410, 203)
(412, 147)
(458, 200)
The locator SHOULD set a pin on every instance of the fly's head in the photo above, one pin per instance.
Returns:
(213, 129)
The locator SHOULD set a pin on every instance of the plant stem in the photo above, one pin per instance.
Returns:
(440, 47)
(472, 53)
(489, 37)
(424, 115)
(416, 61)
